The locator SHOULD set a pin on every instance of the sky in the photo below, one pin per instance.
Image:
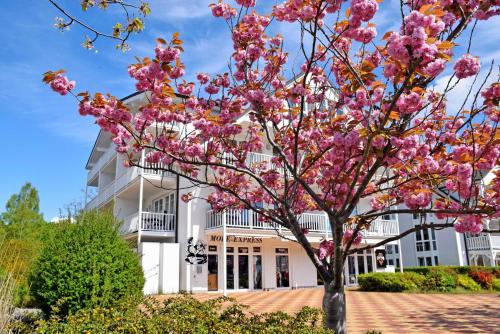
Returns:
(45, 140)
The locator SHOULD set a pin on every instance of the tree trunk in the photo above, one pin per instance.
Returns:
(334, 306)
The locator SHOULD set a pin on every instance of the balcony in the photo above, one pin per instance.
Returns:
(483, 242)
(151, 222)
(104, 195)
(253, 159)
(108, 155)
(314, 222)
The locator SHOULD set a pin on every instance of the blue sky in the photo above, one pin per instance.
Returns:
(45, 141)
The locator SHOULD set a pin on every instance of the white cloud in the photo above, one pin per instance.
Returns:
(77, 130)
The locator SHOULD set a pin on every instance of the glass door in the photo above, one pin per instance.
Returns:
(213, 269)
(257, 272)
(243, 271)
(282, 272)
(230, 271)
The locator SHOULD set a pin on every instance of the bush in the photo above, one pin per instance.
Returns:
(390, 282)
(439, 279)
(495, 285)
(182, 315)
(467, 283)
(482, 277)
(86, 264)
(460, 270)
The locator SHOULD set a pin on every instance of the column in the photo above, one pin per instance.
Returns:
(224, 252)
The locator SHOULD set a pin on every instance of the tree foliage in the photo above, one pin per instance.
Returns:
(86, 264)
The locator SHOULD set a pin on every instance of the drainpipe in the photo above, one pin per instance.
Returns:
(177, 186)
(466, 249)
(224, 255)
(141, 189)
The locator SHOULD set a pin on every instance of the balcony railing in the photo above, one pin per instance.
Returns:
(151, 221)
(103, 160)
(254, 158)
(158, 222)
(103, 196)
(483, 242)
(156, 169)
(314, 222)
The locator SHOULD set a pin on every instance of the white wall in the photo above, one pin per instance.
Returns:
(160, 262)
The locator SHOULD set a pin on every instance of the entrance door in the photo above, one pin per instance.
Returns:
(212, 273)
(257, 272)
(351, 277)
(282, 272)
(243, 271)
(230, 271)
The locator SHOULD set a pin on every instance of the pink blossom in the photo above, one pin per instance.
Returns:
(348, 234)
(212, 89)
(168, 54)
(466, 66)
(61, 84)
(177, 72)
(203, 78)
(246, 3)
(326, 248)
(223, 10)
(435, 67)
(364, 9)
(379, 142)
(469, 223)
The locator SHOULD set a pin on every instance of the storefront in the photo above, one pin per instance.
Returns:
(257, 263)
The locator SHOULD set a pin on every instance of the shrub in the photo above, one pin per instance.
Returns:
(183, 315)
(390, 282)
(482, 277)
(440, 279)
(495, 285)
(86, 264)
(467, 283)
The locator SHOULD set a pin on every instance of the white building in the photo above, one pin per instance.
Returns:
(242, 252)
(433, 247)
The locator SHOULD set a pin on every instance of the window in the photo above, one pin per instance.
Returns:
(391, 262)
(418, 216)
(396, 249)
(389, 249)
(425, 239)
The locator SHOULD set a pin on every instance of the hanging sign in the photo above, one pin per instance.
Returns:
(196, 252)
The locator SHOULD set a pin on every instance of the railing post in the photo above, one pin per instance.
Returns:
(224, 255)
(141, 189)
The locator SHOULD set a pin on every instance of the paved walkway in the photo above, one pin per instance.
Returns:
(390, 313)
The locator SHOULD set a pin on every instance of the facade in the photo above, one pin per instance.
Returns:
(433, 247)
(187, 246)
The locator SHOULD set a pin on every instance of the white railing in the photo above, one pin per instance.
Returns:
(103, 160)
(255, 159)
(103, 196)
(156, 169)
(314, 222)
(480, 242)
(130, 224)
(382, 227)
(158, 222)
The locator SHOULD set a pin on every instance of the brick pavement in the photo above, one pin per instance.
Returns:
(390, 313)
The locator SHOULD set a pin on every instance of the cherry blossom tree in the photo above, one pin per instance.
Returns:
(384, 135)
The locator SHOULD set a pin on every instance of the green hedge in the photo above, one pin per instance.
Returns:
(440, 278)
(181, 315)
(460, 270)
(390, 282)
(86, 264)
